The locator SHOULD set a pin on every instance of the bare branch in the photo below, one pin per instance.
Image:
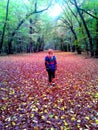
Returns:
(73, 14)
(67, 16)
(89, 13)
(65, 21)
(35, 6)
(71, 2)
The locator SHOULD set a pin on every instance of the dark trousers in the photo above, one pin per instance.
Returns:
(51, 74)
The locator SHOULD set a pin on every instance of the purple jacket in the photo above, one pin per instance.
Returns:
(50, 63)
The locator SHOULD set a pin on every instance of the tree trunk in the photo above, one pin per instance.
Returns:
(86, 28)
(78, 49)
(10, 47)
(74, 33)
(42, 44)
(4, 27)
(31, 32)
(96, 51)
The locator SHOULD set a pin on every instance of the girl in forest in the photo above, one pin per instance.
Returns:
(51, 66)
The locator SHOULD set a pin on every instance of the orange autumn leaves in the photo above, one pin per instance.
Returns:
(27, 102)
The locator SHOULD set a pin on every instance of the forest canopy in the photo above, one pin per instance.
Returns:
(36, 25)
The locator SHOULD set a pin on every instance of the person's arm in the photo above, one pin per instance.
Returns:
(55, 62)
(46, 61)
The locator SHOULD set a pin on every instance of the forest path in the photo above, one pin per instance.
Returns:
(27, 102)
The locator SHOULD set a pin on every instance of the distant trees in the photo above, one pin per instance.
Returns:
(38, 45)
(80, 18)
(24, 28)
(35, 11)
(19, 23)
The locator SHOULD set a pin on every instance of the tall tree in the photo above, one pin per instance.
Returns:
(80, 24)
(96, 51)
(86, 28)
(4, 27)
(69, 21)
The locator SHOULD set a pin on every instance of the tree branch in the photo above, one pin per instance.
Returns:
(65, 21)
(26, 17)
(88, 13)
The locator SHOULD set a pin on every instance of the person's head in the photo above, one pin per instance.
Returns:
(50, 52)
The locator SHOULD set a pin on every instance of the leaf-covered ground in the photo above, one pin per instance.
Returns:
(28, 103)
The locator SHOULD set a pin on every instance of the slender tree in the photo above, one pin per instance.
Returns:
(86, 28)
(96, 51)
(4, 27)
(80, 25)
(68, 20)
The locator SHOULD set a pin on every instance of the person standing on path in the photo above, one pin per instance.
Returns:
(51, 66)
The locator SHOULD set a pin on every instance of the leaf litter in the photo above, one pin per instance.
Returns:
(27, 102)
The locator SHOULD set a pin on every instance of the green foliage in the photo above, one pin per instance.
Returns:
(52, 29)
(71, 20)
(2, 14)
